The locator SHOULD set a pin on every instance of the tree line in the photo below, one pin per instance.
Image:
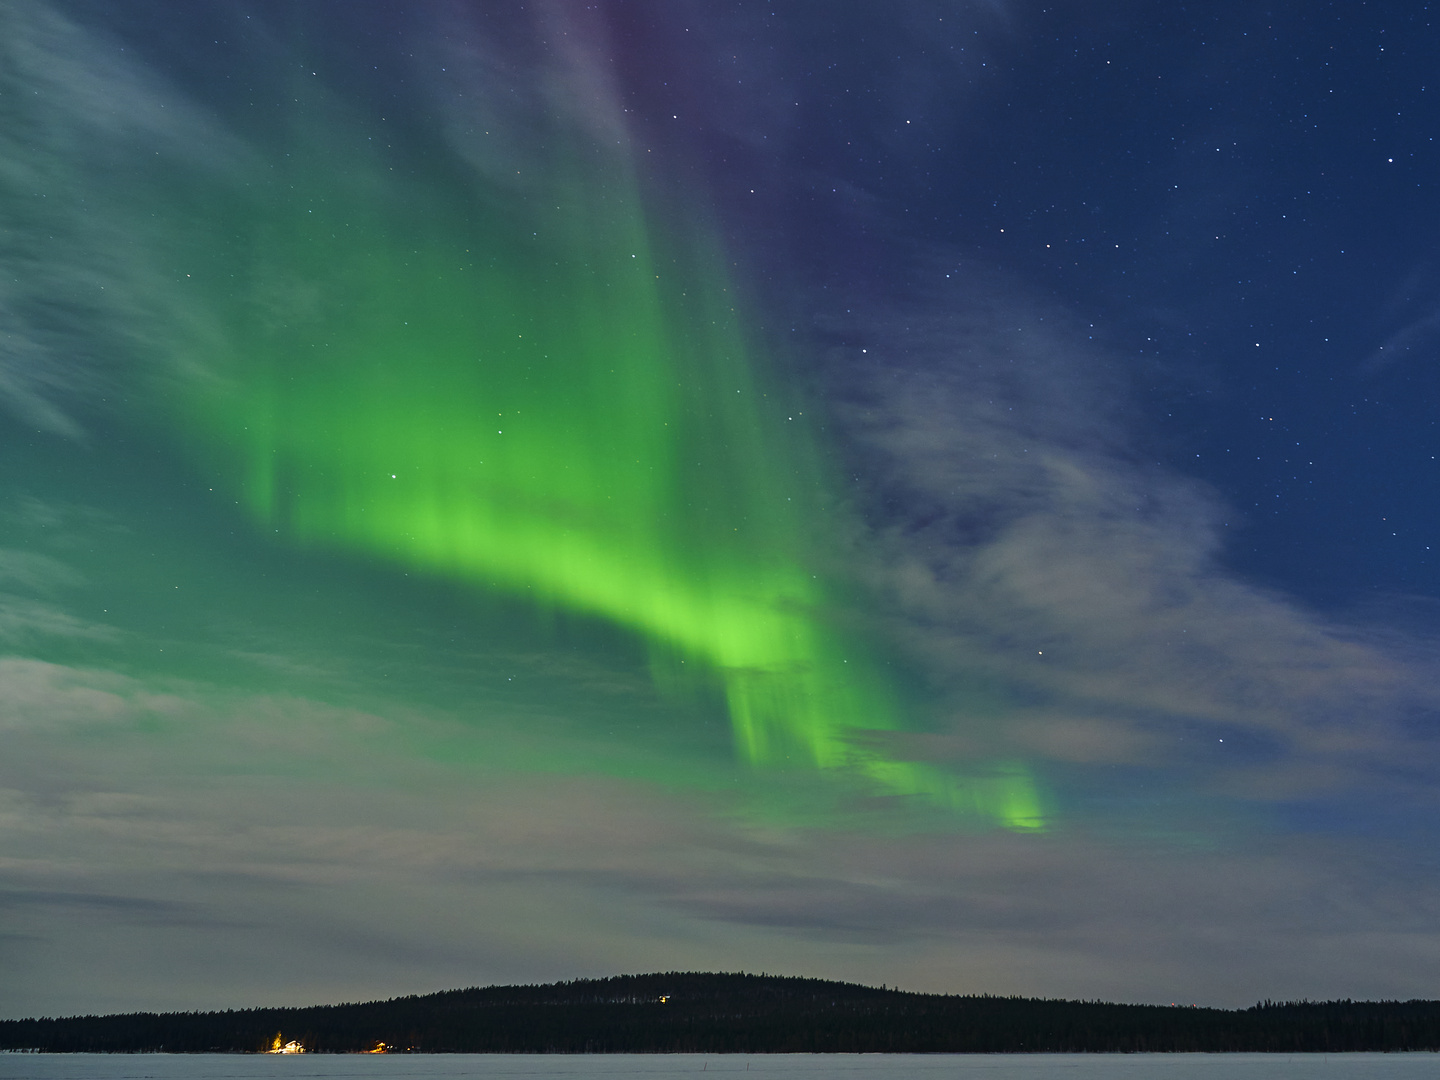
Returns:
(741, 1013)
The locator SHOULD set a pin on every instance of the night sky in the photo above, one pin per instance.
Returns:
(935, 493)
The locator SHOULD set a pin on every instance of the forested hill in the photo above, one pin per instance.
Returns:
(699, 1013)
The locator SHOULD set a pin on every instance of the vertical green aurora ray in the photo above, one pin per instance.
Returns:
(524, 389)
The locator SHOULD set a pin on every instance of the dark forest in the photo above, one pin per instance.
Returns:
(739, 1013)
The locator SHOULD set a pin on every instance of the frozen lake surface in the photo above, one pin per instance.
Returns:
(664, 1066)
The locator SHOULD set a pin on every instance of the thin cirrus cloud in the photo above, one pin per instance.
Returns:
(1026, 539)
(89, 121)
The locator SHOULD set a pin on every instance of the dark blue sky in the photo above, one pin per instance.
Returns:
(1241, 198)
(1245, 199)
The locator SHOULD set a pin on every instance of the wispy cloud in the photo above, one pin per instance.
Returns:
(1414, 316)
(35, 695)
(1022, 537)
(86, 121)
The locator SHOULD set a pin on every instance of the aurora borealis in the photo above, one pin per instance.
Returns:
(696, 487)
(545, 390)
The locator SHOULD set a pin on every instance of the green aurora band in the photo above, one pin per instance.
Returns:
(538, 390)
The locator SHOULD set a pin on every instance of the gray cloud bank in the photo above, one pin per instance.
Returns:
(147, 884)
